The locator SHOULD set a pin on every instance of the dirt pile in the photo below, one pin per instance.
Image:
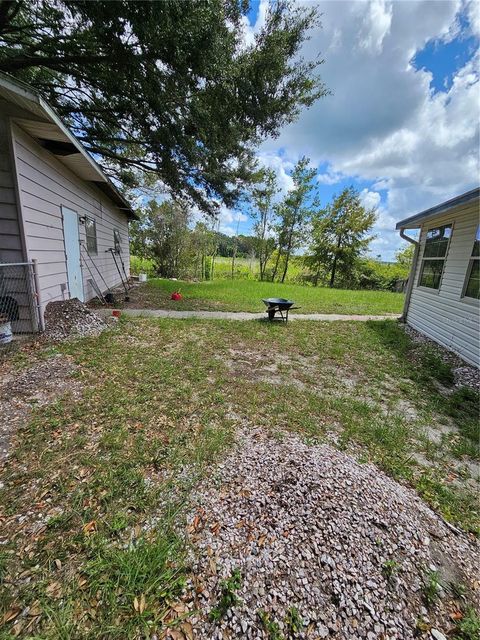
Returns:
(299, 541)
(71, 318)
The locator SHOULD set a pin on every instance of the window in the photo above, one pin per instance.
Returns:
(472, 282)
(91, 233)
(436, 245)
(117, 241)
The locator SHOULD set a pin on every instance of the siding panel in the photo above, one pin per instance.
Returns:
(10, 240)
(445, 316)
(45, 186)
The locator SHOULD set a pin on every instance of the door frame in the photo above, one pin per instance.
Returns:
(81, 297)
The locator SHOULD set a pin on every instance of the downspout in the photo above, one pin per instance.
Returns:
(411, 276)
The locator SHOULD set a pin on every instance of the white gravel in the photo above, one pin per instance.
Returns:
(71, 318)
(465, 375)
(309, 527)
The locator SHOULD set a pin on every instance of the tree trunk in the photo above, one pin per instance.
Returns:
(261, 259)
(334, 265)
(289, 250)
(286, 266)
(274, 274)
(233, 261)
(234, 252)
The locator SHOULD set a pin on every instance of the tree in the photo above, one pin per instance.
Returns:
(340, 235)
(166, 236)
(138, 232)
(202, 243)
(263, 216)
(294, 213)
(404, 256)
(167, 90)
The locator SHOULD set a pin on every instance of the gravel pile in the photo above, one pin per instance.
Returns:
(465, 375)
(71, 318)
(320, 538)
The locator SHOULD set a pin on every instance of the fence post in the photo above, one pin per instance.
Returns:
(38, 295)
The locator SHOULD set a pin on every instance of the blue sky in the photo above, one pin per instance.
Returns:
(401, 124)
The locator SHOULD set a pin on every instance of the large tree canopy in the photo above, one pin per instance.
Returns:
(168, 89)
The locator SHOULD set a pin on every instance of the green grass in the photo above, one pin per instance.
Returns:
(246, 295)
(109, 475)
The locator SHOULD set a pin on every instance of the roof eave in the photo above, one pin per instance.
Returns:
(14, 85)
(416, 221)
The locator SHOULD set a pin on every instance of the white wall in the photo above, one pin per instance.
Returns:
(45, 185)
(443, 314)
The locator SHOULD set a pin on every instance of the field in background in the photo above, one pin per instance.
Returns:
(246, 295)
(244, 269)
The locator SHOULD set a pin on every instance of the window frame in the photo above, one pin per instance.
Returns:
(88, 237)
(117, 234)
(423, 287)
(471, 261)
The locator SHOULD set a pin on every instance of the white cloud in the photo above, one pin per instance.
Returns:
(376, 25)
(472, 9)
(282, 166)
(370, 199)
(383, 122)
(329, 177)
(250, 31)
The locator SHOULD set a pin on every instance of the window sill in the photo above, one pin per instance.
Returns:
(428, 289)
(473, 302)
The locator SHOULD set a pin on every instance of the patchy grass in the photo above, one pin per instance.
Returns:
(95, 492)
(228, 598)
(246, 295)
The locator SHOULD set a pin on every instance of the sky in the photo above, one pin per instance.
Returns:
(402, 122)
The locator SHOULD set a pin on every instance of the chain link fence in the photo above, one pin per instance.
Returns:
(19, 313)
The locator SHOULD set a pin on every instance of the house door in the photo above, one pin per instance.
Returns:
(72, 251)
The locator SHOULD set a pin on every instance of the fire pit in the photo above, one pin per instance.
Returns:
(278, 305)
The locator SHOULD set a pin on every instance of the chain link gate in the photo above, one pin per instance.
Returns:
(19, 311)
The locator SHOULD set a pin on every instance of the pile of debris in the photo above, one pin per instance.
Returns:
(71, 318)
(299, 541)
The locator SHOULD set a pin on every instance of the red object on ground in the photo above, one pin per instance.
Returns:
(176, 296)
(116, 313)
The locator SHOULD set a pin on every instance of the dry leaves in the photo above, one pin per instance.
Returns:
(54, 590)
(90, 527)
(139, 604)
(10, 615)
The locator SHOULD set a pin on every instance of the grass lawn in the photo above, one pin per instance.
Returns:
(246, 295)
(96, 489)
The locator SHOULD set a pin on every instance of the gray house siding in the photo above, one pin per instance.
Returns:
(11, 249)
(45, 185)
(445, 315)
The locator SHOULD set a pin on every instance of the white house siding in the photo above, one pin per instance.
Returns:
(10, 240)
(444, 315)
(45, 185)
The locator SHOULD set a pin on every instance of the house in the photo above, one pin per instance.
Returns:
(443, 293)
(63, 224)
